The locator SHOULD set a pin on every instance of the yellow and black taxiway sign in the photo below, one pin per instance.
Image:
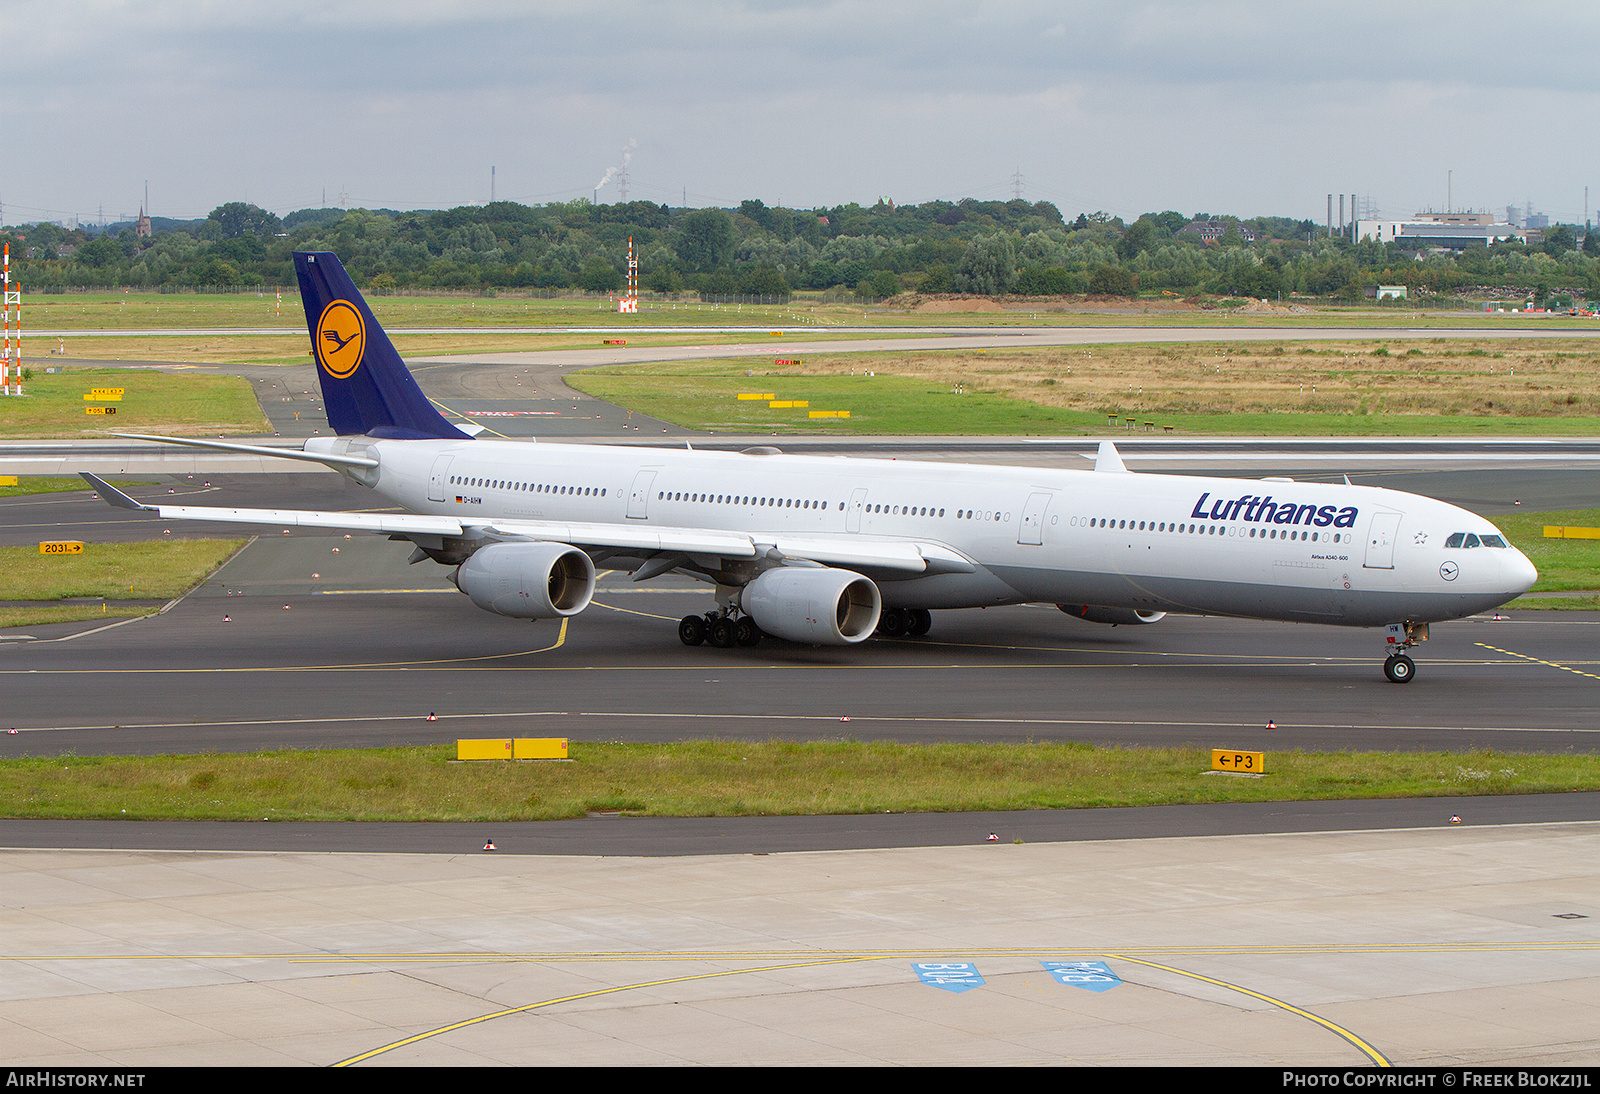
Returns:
(1227, 759)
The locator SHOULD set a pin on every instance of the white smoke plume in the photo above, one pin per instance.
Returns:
(627, 156)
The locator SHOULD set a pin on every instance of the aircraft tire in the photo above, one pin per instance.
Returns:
(920, 623)
(722, 633)
(691, 630)
(746, 633)
(1400, 669)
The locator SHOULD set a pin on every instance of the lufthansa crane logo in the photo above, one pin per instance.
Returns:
(341, 339)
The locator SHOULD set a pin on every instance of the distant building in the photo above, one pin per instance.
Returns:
(1456, 231)
(1391, 292)
(141, 227)
(1211, 231)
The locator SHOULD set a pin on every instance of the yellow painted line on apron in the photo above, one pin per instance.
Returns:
(1370, 1052)
(1538, 660)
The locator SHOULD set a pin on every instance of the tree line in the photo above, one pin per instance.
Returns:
(990, 248)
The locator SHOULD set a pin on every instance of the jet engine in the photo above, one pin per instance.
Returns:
(528, 580)
(821, 606)
(1098, 613)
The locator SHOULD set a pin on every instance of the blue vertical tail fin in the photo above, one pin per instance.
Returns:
(366, 387)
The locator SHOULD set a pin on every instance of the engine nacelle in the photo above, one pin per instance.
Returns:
(1098, 613)
(821, 606)
(528, 580)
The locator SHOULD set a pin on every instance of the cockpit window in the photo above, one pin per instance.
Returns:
(1455, 540)
(1493, 541)
(1472, 541)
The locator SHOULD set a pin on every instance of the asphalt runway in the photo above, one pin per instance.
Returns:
(321, 642)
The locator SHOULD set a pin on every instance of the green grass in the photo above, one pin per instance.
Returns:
(76, 613)
(703, 395)
(152, 311)
(1532, 602)
(1563, 563)
(149, 570)
(29, 484)
(734, 778)
(155, 402)
(185, 311)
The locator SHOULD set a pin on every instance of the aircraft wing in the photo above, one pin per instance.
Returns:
(835, 550)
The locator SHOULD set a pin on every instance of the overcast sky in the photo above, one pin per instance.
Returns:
(1225, 107)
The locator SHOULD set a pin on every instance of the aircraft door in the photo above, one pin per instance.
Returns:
(439, 478)
(639, 496)
(1380, 541)
(852, 516)
(1032, 529)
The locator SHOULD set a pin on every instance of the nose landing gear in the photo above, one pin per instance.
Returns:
(1398, 667)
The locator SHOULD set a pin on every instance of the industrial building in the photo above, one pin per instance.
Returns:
(1456, 231)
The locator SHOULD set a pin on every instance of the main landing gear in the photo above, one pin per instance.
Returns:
(904, 622)
(1398, 667)
(721, 630)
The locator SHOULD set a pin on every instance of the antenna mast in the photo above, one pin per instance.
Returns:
(11, 384)
(629, 304)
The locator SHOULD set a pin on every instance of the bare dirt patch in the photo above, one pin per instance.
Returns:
(1267, 307)
(1523, 378)
(952, 305)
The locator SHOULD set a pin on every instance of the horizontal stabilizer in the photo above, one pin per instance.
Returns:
(325, 458)
(111, 495)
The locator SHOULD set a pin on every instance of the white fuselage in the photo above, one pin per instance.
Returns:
(1310, 552)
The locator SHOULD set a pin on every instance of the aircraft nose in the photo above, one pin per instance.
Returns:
(1517, 573)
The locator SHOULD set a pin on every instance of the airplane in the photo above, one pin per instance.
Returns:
(830, 550)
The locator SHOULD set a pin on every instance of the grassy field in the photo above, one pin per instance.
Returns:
(183, 311)
(209, 347)
(1532, 386)
(734, 778)
(41, 484)
(153, 402)
(1563, 563)
(155, 569)
(135, 310)
(73, 613)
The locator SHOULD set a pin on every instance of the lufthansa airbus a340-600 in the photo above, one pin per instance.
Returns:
(830, 550)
